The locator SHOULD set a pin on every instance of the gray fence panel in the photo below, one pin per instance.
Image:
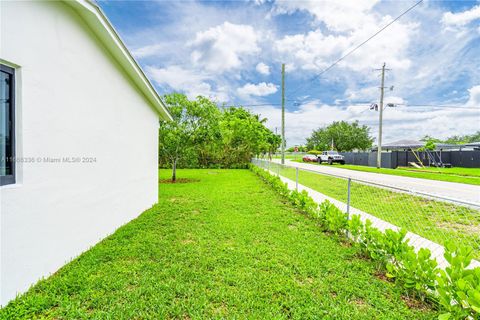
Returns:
(467, 159)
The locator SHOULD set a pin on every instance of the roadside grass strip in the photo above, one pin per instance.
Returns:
(437, 221)
(224, 246)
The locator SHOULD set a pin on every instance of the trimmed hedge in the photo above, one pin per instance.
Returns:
(456, 290)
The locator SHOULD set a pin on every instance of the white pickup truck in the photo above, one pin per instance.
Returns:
(330, 157)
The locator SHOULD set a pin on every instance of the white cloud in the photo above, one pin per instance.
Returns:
(337, 15)
(261, 89)
(474, 100)
(223, 47)
(317, 49)
(192, 82)
(262, 68)
(461, 18)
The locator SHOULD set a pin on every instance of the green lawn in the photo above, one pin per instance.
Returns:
(459, 171)
(226, 246)
(434, 220)
(460, 175)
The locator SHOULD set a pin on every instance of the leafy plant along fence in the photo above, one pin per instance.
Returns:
(431, 221)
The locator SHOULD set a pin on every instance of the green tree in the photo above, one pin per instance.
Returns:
(456, 139)
(345, 136)
(243, 136)
(273, 142)
(468, 138)
(192, 129)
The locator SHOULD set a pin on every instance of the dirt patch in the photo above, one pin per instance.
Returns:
(221, 309)
(346, 243)
(187, 241)
(466, 228)
(304, 281)
(417, 304)
(360, 303)
(360, 255)
(381, 275)
(131, 287)
(179, 180)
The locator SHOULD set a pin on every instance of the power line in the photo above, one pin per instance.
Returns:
(252, 105)
(358, 46)
(362, 105)
(437, 106)
(303, 103)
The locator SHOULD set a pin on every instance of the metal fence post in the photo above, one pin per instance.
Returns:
(348, 200)
(296, 178)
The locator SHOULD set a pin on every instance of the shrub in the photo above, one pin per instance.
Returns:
(395, 244)
(355, 227)
(458, 287)
(335, 220)
(304, 202)
(371, 241)
(416, 272)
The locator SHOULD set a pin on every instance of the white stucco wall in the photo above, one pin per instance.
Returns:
(73, 100)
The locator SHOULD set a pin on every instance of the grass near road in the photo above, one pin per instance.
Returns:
(459, 175)
(226, 246)
(458, 171)
(434, 220)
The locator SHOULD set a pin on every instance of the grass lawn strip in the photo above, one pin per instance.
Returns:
(227, 246)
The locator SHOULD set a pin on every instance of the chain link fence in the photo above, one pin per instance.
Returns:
(430, 220)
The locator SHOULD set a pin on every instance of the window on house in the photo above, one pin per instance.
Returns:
(7, 125)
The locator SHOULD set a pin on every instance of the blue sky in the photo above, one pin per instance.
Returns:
(232, 51)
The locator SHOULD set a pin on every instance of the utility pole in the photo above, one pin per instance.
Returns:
(283, 113)
(380, 120)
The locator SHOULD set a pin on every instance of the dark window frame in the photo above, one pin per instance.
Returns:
(10, 179)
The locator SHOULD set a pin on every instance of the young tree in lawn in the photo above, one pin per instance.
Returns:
(207, 138)
(193, 125)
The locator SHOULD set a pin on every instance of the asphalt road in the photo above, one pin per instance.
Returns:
(452, 190)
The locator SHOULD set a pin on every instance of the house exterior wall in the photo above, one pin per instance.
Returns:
(73, 101)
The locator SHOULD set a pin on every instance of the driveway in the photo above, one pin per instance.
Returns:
(452, 190)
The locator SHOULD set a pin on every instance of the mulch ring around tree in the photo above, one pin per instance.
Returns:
(178, 180)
